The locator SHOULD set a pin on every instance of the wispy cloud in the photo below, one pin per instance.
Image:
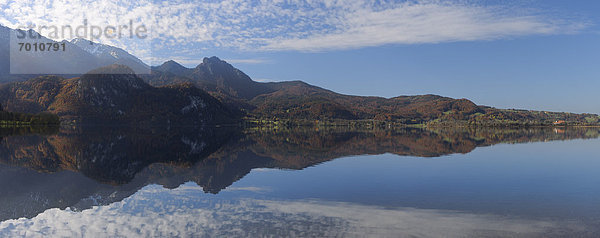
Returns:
(295, 25)
(424, 22)
(263, 80)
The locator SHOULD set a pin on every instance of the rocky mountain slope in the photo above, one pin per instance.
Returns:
(213, 75)
(296, 100)
(114, 94)
(108, 55)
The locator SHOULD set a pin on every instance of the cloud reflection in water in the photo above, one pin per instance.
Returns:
(155, 211)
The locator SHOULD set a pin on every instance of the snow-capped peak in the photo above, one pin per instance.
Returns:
(110, 54)
(96, 49)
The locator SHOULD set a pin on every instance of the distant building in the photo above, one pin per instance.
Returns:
(559, 122)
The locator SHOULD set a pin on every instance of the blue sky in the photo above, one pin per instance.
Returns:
(559, 73)
(533, 54)
(556, 72)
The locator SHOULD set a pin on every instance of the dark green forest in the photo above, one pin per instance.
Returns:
(14, 118)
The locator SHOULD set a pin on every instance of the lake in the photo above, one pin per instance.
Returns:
(304, 182)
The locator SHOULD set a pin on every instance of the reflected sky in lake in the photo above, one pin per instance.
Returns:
(186, 211)
(423, 183)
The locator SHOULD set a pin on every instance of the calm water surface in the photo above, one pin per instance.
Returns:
(195, 182)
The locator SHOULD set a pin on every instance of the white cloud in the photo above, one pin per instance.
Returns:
(434, 22)
(281, 25)
(263, 80)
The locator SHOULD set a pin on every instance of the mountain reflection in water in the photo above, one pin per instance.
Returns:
(80, 168)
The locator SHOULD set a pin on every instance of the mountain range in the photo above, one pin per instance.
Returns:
(296, 100)
(79, 56)
(114, 94)
(113, 90)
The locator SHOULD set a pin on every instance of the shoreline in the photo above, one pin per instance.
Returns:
(249, 123)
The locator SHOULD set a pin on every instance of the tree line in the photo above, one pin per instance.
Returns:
(15, 118)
